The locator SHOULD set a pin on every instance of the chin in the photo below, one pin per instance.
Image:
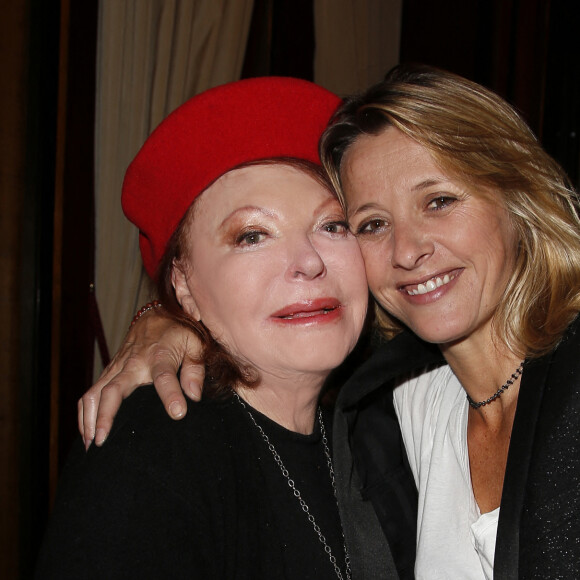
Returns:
(443, 334)
(319, 359)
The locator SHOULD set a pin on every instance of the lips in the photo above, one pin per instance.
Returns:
(430, 284)
(309, 310)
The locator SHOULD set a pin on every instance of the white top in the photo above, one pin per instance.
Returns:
(453, 539)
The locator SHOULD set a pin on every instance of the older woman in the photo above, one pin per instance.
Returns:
(251, 251)
(471, 241)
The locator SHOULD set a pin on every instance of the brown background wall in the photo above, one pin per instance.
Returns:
(29, 54)
(13, 54)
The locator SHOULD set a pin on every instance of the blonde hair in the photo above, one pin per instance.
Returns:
(473, 134)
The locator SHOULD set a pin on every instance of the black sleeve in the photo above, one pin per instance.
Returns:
(145, 505)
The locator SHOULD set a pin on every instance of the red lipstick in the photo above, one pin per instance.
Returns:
(317, 311)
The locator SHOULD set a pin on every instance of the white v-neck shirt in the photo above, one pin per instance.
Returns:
(454, 540)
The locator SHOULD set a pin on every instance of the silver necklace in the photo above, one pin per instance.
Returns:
(297, 493)
(500, 391)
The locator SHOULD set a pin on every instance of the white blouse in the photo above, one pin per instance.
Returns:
(454, 540)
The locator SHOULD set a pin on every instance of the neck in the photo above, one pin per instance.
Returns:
(482, 366)
(291, 405)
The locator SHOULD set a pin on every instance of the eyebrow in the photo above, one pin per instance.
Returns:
(327, 202)
(426, 183)
(429, 182)
(363, 208)
(247, 209)
(267, 212)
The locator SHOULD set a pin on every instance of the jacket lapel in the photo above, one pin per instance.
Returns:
(518, 466)
(381, 542)
(399, 357)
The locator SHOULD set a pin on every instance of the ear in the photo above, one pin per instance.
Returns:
(182, 291)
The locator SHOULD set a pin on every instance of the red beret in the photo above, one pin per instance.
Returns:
(208, 136)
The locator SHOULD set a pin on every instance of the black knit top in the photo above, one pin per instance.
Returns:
(196, 498)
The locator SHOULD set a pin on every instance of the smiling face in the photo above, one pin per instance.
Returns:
(438, 255)
(273, 272)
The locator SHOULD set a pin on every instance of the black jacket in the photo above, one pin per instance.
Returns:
(539, 524)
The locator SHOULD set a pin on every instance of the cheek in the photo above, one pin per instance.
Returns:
(351, 255)
(375, 264)
(211, 284)
(356, 280)
(246, 287)
(346, 261)
(501, 249)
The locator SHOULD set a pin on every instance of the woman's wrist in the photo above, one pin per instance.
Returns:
(144, 309)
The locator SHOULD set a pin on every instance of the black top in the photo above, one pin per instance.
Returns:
(196, 498)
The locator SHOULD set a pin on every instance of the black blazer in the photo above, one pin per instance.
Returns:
(539, 525)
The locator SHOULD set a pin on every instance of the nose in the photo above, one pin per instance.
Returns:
(305, 262)
(411, 246)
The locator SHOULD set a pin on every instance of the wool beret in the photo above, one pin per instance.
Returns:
(210, 134)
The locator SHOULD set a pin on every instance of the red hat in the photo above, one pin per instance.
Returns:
(211, 134)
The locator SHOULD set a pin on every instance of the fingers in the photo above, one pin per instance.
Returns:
(108, 405)
(169, 390)
(87, 417)
(96, 411)
(191, 378)
(116, 383)
(153, 351)
(192, 372)
(99, 405)
(88, 406)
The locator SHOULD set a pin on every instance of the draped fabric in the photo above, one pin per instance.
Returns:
(152, 56)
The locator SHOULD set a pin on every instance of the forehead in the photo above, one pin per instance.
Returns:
(275, 186)
(389, 146)
(392, 162)
(388, 158)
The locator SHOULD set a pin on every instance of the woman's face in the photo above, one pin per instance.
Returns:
(437, 254)
(273, 271)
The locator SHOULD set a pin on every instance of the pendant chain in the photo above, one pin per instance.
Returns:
(298, 495)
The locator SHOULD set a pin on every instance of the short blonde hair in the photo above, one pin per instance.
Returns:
(475, 135)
